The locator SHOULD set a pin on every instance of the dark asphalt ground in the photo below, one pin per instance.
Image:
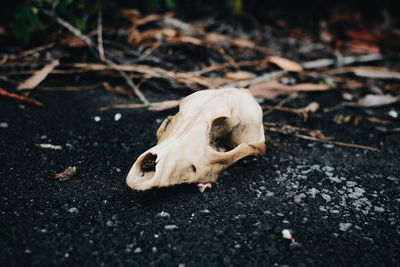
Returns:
(341, 204)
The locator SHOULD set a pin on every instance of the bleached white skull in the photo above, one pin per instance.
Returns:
(212, 130)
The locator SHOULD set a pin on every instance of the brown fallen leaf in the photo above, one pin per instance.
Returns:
(374, 101)
(20, 98)
(302, 113)
(67, 174)
(343, 119)
(285, 64)
(240, 75)
(273, 89)
(38, 77)
(376, 73)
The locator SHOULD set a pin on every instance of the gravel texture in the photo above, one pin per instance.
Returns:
(341, 205)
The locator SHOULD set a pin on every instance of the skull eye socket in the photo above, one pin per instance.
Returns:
(221, 135)
(148, 163)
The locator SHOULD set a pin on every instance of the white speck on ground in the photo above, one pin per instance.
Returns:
(50, 146)
(286, 234)
(298, 197)
(171, 227)
(328, 169)
(97, 119)
(334, 179)
(358, 192)
(329, 146)
(327, 197)
(164, 214)
(117, 116)
(73, 210)
(351, 183)
(313, 191)
(393, 114)
(137, 250)
(378, 209)
(3, 125)
(344, 226)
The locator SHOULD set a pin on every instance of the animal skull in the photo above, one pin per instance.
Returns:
(212, 130)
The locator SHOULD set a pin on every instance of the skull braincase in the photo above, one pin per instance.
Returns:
(212, 130)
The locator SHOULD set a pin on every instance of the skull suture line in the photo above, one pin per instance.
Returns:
(212, 130)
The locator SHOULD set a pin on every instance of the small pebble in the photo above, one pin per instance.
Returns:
(117, 116)
(344, 226)
(137, 250)
(73, 210)
(163, 214)
(170, 227)
(3, 125)
(97, 119)
(393, 114)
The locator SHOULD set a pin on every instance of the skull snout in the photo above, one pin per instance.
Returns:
(142, 174)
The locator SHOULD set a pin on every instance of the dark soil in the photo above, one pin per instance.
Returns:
(341, 204)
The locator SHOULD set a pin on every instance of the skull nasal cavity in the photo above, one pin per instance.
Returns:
(149, 163)
(220, 135)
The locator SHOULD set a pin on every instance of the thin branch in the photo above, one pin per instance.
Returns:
(96, 52)
(287, 130)
(100, 35)
(20, 98)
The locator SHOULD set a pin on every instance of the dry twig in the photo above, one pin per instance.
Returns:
(96, 53)
(317, 135)
(20, 98)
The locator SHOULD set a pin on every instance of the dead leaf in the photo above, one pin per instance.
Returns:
(285, 64)
(38, 77)
(67, 174)
(150, 36)
(273, 89)
(376, 73)
(239, 75)
(363, 47)
(343, 119)
(374, 101)
(50, 146)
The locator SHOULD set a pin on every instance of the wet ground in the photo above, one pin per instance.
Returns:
(342, 205)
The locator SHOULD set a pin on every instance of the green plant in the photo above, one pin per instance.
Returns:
(27, 16)
(235, 5)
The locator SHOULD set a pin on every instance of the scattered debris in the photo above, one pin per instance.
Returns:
(117, 116)
(374, 101)
(273, 89)
(73, 210)
(67, 174)
(163, 214)
(287, 235)
(376, 73)
(50, 146)
(313, 135)
(170, 227)
(285, 64)
(20, 98)
(344, 226)
(38, 77)
(202, 187)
